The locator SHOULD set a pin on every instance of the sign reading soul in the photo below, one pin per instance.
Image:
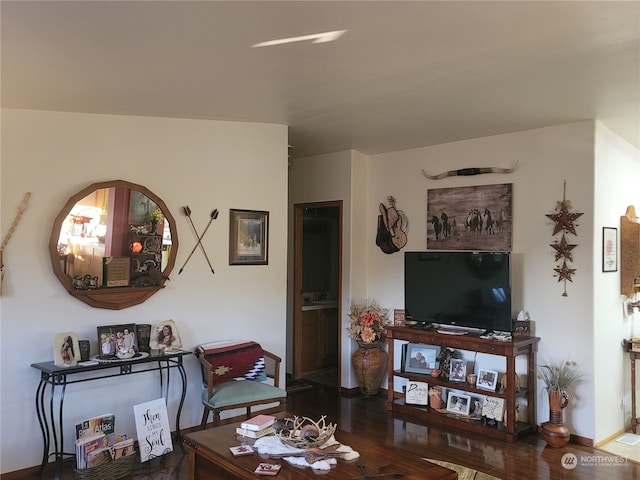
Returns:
(152, 427)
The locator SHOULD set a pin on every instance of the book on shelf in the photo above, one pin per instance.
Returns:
(243, 432)
(258, 422)
(267, 469)
(88, 444)
(105, 423)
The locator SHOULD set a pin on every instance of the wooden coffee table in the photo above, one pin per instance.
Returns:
(210, 458)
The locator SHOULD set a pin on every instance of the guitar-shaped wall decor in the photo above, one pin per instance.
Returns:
(393, 226)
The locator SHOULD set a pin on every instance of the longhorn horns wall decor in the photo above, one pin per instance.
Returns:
(564, 220)
(463, 172)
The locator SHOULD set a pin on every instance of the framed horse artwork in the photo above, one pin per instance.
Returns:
(477, 218)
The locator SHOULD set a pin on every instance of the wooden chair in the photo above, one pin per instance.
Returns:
(232, 393)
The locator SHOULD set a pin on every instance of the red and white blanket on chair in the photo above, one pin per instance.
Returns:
(234, 359)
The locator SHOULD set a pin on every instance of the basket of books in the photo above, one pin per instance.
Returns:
(100, 453)
(110, 470)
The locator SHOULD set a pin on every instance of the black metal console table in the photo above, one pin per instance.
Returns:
(54, 376)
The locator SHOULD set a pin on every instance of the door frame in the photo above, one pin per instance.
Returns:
(298, 214)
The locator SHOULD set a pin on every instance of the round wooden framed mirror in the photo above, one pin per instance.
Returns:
(113, 244)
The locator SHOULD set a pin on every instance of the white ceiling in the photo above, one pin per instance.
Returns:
(406, 73)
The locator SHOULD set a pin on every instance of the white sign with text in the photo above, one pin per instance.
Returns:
(152, 427)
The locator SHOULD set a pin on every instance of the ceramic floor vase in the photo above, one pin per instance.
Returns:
(369, 363)
(554, 432)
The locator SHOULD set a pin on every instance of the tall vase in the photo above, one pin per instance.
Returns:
(369, 362)
(554, 432)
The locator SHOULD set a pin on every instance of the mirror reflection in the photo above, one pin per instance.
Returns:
(114, 237)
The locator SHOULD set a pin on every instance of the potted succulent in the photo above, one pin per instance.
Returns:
(561, 380)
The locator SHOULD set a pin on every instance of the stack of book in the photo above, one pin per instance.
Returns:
(257, 427)
(97, 442)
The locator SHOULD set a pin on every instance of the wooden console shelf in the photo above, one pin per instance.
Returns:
(510, 350)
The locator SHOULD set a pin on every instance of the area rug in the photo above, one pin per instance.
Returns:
(623, 446)
(464, 473)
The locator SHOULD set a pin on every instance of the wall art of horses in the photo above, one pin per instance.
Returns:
(470, 218)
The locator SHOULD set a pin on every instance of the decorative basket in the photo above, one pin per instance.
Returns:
(108, 471)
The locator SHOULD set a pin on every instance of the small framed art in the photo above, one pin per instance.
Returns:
(487, 380)
(66, 349)
(417, 393)
(609, 249)
(459, 403)
(248, 237)
(421, 358)
(458, 370)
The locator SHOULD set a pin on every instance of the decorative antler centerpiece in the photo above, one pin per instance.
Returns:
(303, 432)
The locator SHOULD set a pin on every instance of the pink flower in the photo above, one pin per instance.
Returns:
(368, 335)
(368, 319)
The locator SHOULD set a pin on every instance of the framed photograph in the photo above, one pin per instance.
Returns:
(459, 403)
(487, 380)
(417, 393)
(248, 237)
(117, 342)
(140, 208)
(66, 349)
(421, 358)
(458, 370)
(609, 249)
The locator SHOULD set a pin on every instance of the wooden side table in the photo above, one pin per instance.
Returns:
(632, 356)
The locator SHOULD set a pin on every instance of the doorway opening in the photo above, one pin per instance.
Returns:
(317, 286)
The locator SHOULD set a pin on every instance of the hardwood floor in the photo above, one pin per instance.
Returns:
(529, 458)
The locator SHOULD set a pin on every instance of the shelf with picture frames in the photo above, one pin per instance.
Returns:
(508, 392)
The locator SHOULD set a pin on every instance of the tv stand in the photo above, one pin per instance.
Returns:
(509, 430)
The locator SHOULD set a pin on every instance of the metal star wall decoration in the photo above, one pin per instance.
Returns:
(564, 221)
(563, 249)
(564, 273)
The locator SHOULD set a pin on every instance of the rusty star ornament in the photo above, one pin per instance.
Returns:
(564, 273)
(563, 249)
(564, 219)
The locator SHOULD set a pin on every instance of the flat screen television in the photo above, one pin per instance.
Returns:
(469, 290)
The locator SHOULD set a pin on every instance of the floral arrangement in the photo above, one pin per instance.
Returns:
(368, 320)
(561, 377)
(157, 215)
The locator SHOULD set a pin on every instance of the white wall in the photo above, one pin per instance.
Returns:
(203, 164)
(617, 178)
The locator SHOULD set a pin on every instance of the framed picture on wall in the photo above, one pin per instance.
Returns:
(609, 249)
(248, 237)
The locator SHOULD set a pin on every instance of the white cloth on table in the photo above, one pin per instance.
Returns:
(272, 445)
